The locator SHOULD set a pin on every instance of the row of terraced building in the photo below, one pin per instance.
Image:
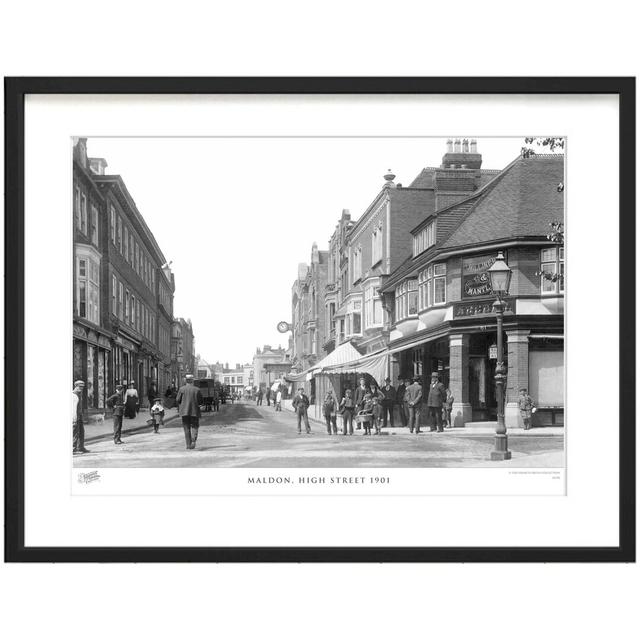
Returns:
(403, 290)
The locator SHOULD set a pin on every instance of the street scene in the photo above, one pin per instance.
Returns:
(427, 330)
(245, 435)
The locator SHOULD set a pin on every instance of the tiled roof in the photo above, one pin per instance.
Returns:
(522, 202)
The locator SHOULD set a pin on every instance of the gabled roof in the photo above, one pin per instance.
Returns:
(520, 201)
(523, 202)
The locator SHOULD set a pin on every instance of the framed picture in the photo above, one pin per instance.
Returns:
(320, 319)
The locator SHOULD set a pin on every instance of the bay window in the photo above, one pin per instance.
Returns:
(372, 307)
(552, 270)
(88, 284)
(432, 282)
(406, 299)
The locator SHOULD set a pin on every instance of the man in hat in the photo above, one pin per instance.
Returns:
(388, 401)
(76, 412)
(400, 393)
(300, 405)
(413, 398)
(189, 400)
(116, 402)
(435, 399)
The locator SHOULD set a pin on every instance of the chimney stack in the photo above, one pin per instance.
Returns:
(98, 165)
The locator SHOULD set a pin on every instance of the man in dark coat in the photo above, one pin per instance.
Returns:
(400, 392)
(361, 392)
(77, 419)
(413, 396)
(300, 405)
(435, 399)
(189, 400)
(388, 401)
(116, 402)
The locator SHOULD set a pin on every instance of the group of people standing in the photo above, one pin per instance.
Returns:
(371, 407)
(270, 396)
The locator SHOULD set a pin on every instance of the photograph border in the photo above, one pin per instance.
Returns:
(16, 89)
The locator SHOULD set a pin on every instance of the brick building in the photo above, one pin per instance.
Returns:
(442, 299)
(183, 353)
(123, 288)
(307, 308)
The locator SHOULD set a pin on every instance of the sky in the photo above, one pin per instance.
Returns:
(237, 215)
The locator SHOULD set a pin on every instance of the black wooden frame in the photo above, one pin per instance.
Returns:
(15, 91)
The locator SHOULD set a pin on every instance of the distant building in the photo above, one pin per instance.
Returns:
(238, 378)
(264, 356)
(183, 359)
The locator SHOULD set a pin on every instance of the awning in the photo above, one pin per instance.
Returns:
(375, 364)
(344, 354)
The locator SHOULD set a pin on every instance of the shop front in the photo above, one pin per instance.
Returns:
(91, 363)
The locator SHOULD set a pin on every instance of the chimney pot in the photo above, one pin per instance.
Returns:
(474, 146)
(457, 145)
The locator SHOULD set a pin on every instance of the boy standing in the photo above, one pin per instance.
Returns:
(525, 404)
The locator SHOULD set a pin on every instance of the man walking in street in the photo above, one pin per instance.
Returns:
(189, 400)
(413, 396)
(435, 399)
(388, 401)
(76, 412)
(116, 402)
(400, 393)
(300, 405)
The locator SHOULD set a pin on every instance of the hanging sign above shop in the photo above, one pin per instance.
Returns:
(475, 277)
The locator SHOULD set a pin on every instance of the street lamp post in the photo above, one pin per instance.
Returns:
(500, 276)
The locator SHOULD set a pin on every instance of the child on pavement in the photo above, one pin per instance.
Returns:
(526, 406)
(157, 414)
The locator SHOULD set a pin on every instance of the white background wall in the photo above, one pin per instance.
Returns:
(335, 38)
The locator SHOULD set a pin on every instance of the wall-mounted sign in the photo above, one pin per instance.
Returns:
(468, 309)
(475, 277)
(493, 352)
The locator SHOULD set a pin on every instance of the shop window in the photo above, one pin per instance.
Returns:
(552, 270)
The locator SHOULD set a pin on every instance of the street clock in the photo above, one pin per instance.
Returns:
(283, 327)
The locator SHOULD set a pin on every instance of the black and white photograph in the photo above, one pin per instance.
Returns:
(318, 302)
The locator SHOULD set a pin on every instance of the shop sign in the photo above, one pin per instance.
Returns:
(475, 276)
(472, 309)
(493, 352)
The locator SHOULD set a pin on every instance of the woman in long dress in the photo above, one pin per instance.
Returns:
(131, 401)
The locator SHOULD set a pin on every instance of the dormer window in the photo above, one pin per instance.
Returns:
(424, 239)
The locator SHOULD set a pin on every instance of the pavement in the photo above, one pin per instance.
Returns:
(245, 435)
